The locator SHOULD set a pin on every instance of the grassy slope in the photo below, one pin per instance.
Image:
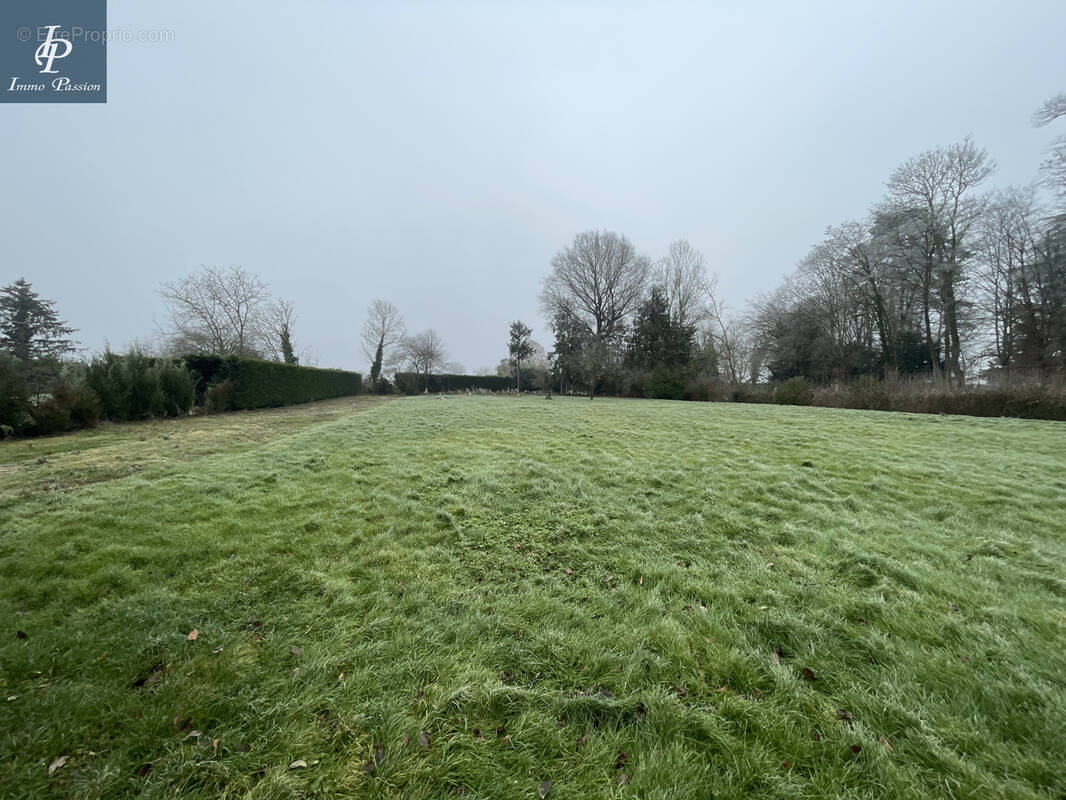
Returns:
(481, 594)
(65, 463)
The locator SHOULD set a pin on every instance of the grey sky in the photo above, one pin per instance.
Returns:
(437, 155)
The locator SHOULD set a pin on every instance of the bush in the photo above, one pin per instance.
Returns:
(127, 385)
(794, 392)
(634, 383)
(137, 386)
(177, 386)
(82, 403)
(751, 393)
(14, 404)
(145, 398)
(663, 384)
(49, 417)
(1032, 401)
(68, 407)
(868, 393)
(107, 376)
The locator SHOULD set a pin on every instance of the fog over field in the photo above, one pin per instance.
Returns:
(440, 154)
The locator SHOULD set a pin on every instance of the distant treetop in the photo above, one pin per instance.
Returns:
(30, 328)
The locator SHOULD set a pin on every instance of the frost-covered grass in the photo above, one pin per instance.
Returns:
(435, 597)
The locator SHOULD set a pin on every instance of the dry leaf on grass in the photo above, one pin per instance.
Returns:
(379, 756)
(57, 764)
(194, 634)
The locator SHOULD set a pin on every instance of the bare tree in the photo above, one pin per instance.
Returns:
(596, 284)
(937, 186)
(424, 353)
(216, 310)
(598, 280)
(1055, 165)
(731, 342)
(383, 333)
(275, 338)
(689, 287)
(1050, 111)
(1009, 243)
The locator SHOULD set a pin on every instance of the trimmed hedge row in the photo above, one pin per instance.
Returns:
(232, 383)
(1024, 402)
(413, 383)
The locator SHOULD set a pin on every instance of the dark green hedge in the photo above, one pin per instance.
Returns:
(412, 383)
(262, 384)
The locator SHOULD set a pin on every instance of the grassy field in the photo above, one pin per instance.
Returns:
(513, 598)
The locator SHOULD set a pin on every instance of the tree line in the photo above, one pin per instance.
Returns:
(941, 280)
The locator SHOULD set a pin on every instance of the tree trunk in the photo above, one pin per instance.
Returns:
(952, 355)
(934, 364)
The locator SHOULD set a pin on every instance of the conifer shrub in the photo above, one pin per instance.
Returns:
(178, 387)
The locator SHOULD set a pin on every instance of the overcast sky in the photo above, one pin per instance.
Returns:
(437, 155)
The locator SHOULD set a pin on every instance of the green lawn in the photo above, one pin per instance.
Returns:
(474, 595)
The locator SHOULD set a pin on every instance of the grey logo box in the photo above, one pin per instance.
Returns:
(53, 51)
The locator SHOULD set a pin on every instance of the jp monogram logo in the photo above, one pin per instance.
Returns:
(48, 51)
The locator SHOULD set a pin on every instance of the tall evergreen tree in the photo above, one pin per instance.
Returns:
(30, 328)
(520, 347)
(658, 339)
